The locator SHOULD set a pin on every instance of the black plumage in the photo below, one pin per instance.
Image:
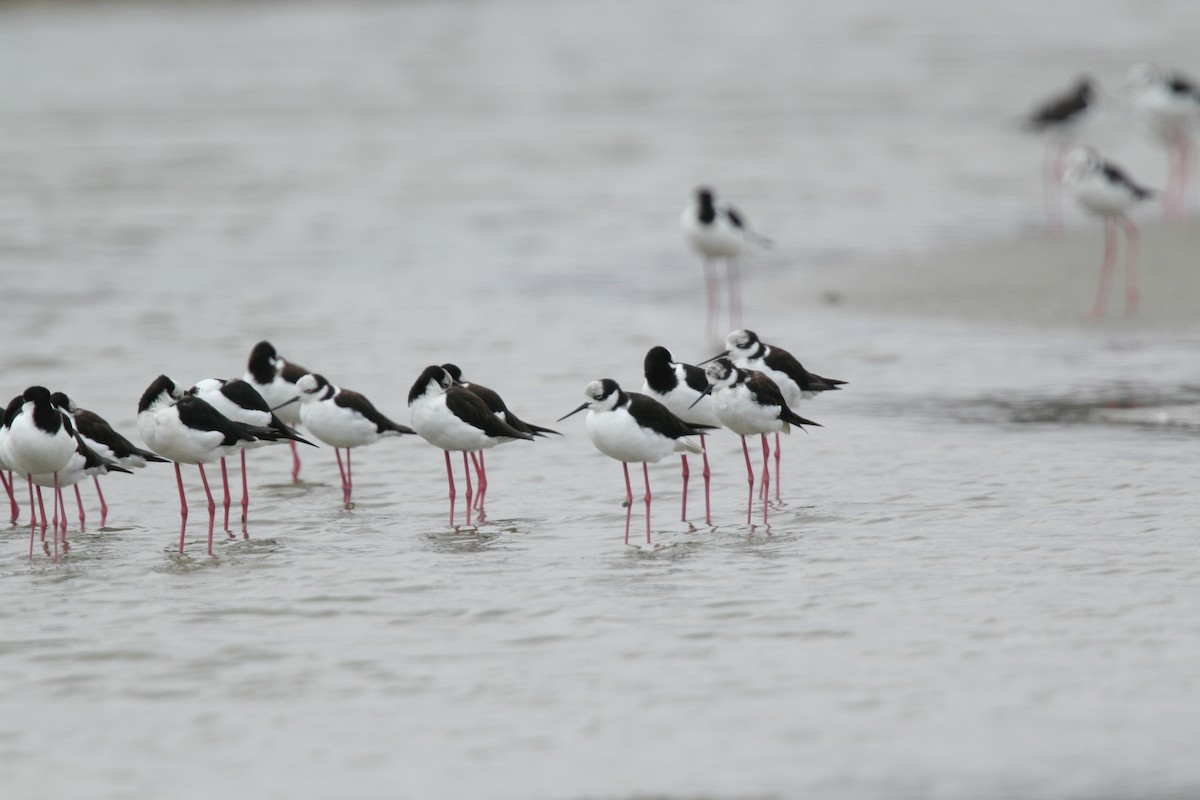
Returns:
(495, 403)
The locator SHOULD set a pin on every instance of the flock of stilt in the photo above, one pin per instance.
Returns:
(1167, 103)
(748, 389)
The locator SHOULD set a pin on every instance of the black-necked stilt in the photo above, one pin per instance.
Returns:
(498, 407)
(747, 351)
(748, 402)
(1061, 118)
(718, 231)
(187, 430)
(454, 419)
(1168, 103)
(681, 388)
(98, 452)
(274, 377)
(633, 427)
(342, 419)
(238, 400)
(1105, 190)
(41, 442)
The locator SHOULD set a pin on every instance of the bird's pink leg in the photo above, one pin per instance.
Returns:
(450, 479)
(41, 509)
(212, 507)
(228, 500)
(707, 476)
(1051, 177)
(1106, 269)
(481, 474)
(57, 502)
(766, 477)
(686, 473)
(749, 479)
(710, 286)
(53, 506)
(79, 502)
(245, 493)
(467, 475)
(11, 497)
(628, 499)
(778, 453)
(183, 511)
(295, 463)
(1132, 295)
(342, 472)
(646, 478)
(349, 480)
(103, 505)
(735, 294)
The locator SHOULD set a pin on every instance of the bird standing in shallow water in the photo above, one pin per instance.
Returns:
(454, 419)
(718, 231)
(748, 402)
(274, 377)
(1105, 190)
(629, 427)
(1061, 118)
(747, 351)
(497, 406)
(681, 388)
(40, 442)
(342, 419)
(1168, 104)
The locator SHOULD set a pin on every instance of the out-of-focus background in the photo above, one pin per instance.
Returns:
(984, 581)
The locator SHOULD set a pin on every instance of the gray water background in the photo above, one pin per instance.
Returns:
(984, 585)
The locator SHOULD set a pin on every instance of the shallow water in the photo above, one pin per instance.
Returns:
(983, 583)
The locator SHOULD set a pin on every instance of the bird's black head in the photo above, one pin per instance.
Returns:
(431, 374)
(262, 362)
(660, 376)
(453, 371)
(162, 385)
(61, 400)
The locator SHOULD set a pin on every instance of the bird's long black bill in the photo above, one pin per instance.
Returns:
(714, 358)
(707, 390)
(295, 399)
(576, 411)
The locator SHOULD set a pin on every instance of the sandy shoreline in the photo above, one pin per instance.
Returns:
(1036, 279)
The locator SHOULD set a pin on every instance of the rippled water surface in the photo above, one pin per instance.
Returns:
(983, 583)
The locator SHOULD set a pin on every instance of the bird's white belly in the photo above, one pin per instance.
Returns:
(617, 435)
(436, 424)
(718, 240)
(166, 435)
(738, 412)
(337, 426)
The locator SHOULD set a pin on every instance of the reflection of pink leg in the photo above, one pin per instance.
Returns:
(749, 479)
(683, 512)
(710, 286)
(628, 499)
(646, 478)
(450, 479)
(707, 477)
(212, 507)
(1106, 270)
(103, 505)
(183, 512)
(735, 294)
(1131, 264)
